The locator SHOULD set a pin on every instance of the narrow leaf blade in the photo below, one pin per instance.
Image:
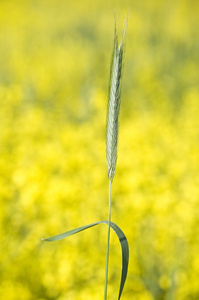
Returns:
(68, 233)
(123, 243)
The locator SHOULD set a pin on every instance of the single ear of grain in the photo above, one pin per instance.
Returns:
(114, 105)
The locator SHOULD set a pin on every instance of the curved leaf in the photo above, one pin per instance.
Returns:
(123, 243)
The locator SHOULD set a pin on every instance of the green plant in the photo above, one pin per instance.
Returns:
(111, 157)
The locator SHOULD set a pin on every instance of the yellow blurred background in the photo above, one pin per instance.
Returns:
(54, 72)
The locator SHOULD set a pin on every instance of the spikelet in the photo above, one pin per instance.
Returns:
(114, 104)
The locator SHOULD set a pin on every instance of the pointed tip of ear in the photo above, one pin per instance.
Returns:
(125, 29)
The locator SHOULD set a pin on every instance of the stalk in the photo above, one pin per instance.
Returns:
(112, 125)
(108, 243)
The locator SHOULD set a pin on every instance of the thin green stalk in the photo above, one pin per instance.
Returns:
(108, 242)
(112, 127)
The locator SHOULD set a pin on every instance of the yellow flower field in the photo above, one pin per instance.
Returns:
(54, 73)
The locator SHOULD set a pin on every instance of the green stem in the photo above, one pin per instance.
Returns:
(108, 242)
